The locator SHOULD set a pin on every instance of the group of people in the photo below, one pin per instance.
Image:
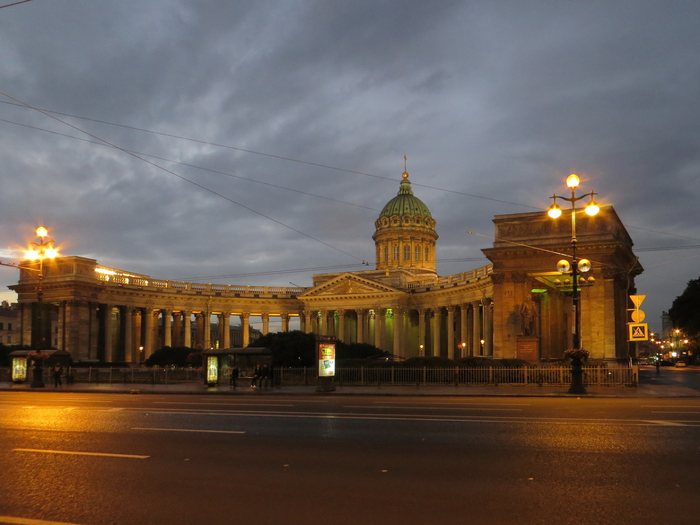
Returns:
(262, 377)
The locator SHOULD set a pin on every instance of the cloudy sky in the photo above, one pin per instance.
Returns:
(266, 135)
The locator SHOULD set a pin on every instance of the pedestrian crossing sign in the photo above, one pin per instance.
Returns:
(638, 332)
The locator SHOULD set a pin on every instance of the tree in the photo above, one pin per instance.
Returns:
(167, 356)
(293, 348)
(685, 312)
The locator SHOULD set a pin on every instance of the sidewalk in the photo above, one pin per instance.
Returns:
(642, 391)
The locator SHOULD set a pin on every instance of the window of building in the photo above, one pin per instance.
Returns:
(9, 339)
(407, 253)
(1, 328)
(386, 254)
(9, 326)
(418, 253)
(396, 253)
(427, 254)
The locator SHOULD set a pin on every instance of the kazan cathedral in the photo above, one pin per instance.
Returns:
(402, 306)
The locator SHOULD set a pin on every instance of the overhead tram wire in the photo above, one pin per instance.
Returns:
(269, 155)
(194, 166)
(15, 3)
(47, 112)
(180, 176)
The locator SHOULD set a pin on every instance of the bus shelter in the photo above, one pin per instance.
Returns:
(218, 362)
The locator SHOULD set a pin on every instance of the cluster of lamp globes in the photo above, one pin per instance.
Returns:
(41, 250)
(592, 208)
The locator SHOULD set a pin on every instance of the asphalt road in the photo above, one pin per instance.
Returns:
(143, 459)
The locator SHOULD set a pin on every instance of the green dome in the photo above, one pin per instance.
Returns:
(405, 203)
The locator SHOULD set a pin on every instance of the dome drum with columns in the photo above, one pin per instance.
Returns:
(402, 306)
(405, 233)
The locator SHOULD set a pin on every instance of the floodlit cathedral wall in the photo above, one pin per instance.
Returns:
(402, 306)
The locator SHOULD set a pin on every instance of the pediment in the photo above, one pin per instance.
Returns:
(348, 285)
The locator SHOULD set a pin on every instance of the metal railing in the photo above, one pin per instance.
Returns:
(371, 375)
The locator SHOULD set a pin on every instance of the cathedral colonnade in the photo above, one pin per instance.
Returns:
(402, 306)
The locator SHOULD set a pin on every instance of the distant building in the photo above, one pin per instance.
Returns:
(9, 325)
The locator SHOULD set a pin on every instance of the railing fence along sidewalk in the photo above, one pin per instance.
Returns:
(353, 376)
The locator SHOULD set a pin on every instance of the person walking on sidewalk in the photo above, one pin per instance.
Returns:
(57, 371)
(257, 372)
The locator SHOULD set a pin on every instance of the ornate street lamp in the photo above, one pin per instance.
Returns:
(577, 266)
(44, 249)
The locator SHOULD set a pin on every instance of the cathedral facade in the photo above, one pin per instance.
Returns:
(401, 306)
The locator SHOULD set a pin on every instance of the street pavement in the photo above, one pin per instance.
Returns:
(640, 391)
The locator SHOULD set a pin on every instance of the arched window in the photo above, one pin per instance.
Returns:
(407, 253)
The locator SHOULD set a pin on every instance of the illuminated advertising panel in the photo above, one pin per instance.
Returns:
(326, 359)
(212, 369)
(19, 369)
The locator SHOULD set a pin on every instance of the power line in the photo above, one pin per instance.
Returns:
(47, 112)
(179, 176)
(271, 155)
(16, 3)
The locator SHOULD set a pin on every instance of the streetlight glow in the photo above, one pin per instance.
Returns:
(572, 181)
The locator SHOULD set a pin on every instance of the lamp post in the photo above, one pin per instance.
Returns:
(577, 266)
(44, 249)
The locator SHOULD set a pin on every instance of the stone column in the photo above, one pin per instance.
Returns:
(379, 314)
(107, 327)
(450, 332)
(245, 328)
(177, 329)
(167, 328)
(422, 312)
(225, 330)
(488, 327)
(156, 331)
(323, 322)
(128, 334)
(435, 327)
(463, 331)
(266, 323)
(148, 332)
(206, 328)
(285, 322)
(137, 318)
(187, 328)
(398, 329)
(306, 321)
(341, 325)
(361, 322)
(476, 329)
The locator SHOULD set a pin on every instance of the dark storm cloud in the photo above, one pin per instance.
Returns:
(488, 99)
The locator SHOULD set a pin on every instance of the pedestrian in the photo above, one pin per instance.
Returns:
(234, 377)
(257, 372)
(265, 376)
(57, 371)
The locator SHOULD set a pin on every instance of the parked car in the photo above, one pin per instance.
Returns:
(666, 363)
(680, 364)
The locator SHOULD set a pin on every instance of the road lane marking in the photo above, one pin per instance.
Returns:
(191, 430)
(226, 404)
(73, 453)
(435, 408)
(26, 521)
(453, 403)
(673, 412)
(664, 423)
(447, 419)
